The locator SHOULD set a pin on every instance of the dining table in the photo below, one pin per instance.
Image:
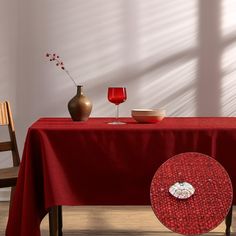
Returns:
(95, 163)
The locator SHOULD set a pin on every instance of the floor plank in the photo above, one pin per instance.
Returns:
(109, 220)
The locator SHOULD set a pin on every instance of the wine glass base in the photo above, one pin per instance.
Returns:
(116, 123)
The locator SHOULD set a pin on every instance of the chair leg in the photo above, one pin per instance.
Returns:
(11, 197)
(55, 221)
(228, 221)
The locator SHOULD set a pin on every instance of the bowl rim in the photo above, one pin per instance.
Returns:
(148, 109)
(148, 112)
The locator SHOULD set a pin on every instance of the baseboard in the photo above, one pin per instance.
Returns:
(4, 195)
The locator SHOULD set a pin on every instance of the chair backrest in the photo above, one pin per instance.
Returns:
(7, 120)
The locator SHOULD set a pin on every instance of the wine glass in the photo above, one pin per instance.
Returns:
(116, 95)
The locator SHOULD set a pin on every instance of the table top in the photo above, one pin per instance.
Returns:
(166, 123)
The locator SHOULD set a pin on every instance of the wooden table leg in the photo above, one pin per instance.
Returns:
(228, 221)
(60, 225)
(55, 221)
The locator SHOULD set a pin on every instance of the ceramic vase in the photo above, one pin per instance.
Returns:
(80, 106)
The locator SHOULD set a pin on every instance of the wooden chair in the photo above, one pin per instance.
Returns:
(8, 176)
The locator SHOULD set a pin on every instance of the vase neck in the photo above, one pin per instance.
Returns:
(79, 89)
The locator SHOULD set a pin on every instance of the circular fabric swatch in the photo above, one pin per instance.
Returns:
(209, 204)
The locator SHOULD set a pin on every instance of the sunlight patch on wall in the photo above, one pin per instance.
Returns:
(173, 30)
(228, 83)
(228, 60)
(174, 89)
(166, 46)
(228, 17)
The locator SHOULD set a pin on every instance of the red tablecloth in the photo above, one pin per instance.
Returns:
(78, 163)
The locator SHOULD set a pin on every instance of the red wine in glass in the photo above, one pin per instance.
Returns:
(117, 95)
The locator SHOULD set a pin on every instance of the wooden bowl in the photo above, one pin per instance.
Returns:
(148, 115)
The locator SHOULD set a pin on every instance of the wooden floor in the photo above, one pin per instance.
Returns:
(109, 221)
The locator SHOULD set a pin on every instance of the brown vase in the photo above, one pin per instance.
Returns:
(79, 106)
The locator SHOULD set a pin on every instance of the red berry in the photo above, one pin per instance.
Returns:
(57, 64)
(57, 56)
(47, 55)
(54, 54)
(63, 68)
(50, 59)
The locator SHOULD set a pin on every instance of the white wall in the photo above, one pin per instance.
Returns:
(177, 54)
(8, 50)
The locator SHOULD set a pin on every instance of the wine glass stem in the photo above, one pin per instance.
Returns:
(117, 112)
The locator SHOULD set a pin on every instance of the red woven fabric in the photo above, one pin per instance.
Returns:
(78, 163)
(206, 208)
